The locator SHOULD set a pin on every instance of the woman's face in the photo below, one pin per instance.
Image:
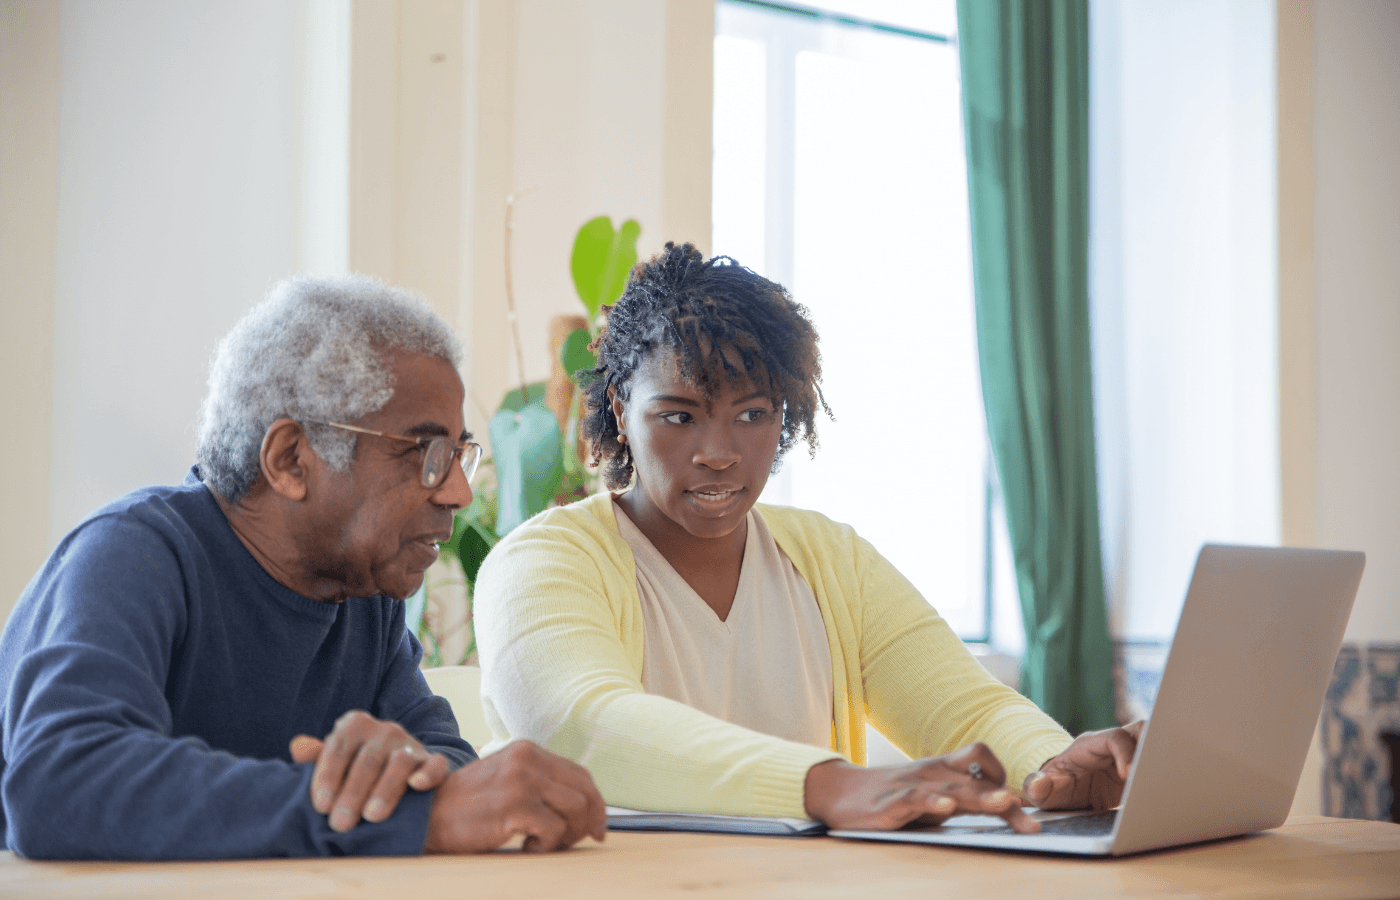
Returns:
(700, 465)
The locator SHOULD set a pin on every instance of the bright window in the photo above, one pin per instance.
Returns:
(840, 172)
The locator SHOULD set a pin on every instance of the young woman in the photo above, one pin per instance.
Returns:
(701, 653)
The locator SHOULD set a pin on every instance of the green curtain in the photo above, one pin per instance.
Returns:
(1025, 70)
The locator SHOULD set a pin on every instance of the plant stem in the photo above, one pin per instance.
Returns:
(510, 304)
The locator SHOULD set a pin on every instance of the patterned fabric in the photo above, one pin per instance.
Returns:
(1137, 673)
(1362, 704)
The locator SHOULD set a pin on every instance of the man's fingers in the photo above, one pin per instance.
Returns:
(393, 781)
(573, 808)
(521, 790)
(341, 746)
(594, 815)
(364, 773)
(430, 774)
(543, 828)
(364, 767)
(568, 788)
(305, 748)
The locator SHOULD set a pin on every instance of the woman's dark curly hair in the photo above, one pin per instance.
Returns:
(681, 301)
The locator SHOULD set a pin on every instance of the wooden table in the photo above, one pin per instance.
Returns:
(1308, 857)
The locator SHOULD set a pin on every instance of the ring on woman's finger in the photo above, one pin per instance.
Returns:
(975, 770)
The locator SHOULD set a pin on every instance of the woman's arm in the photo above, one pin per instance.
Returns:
(927, 693)
(560, 636)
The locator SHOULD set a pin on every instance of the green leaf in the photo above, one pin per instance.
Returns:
(472, 539)
(512, 399)
(448, 549)
(529, 462)
(432, 650)
(574, 353)
(601, 261)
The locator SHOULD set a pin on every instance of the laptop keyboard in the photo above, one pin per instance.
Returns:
(1099, 824)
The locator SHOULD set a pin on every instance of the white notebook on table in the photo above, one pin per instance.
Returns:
(623, 819)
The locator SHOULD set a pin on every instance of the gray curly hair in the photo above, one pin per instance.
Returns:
(311, 350)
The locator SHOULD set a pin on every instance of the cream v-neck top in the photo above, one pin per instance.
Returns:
(766, 667)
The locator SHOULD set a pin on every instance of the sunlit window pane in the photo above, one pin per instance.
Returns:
(881, 259)
(739, 135)
(840, 170)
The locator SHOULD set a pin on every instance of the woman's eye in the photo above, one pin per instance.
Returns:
(753, 415)
(675, 418)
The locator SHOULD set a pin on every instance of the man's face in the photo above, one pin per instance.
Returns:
(374, 528)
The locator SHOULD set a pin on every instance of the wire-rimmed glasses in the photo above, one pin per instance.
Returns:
(438, 452)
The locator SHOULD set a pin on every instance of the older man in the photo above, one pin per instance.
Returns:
(221, 668)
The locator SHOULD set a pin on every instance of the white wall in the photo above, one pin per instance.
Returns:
(1357, 228)
(1183, 292)
(163, 163)
(596, 107)
(175, 174)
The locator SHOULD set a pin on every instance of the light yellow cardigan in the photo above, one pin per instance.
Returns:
(559, 630)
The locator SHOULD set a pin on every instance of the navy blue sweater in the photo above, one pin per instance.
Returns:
(153, 674)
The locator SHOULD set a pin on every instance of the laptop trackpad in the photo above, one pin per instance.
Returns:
(1077, 822)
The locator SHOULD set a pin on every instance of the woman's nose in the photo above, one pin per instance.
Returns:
(718, 450)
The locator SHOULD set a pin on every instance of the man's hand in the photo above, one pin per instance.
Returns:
(364, 766)
(927, 791)
(520, 790)
(1090, 773)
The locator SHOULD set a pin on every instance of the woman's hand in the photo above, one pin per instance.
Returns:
(1090, 773)
(925, 791)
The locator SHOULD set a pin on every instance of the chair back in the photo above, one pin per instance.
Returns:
(461, 687)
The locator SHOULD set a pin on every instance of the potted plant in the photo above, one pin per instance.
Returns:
(536, 459)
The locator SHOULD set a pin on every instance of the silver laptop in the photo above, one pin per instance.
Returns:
(1233, 718)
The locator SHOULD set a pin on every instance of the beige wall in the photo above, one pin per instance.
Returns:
(1339, 300)
(595, 107)
(1356, 196)
(29, 87)
(578, 109)
(1297, 304)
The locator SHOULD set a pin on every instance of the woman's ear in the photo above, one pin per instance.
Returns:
(286, 458)
(618, 408)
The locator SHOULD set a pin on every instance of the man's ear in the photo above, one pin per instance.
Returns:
(286, 458)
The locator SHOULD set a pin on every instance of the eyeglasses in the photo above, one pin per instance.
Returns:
(438, 452)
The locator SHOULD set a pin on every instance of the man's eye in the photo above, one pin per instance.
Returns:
(675, 418)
